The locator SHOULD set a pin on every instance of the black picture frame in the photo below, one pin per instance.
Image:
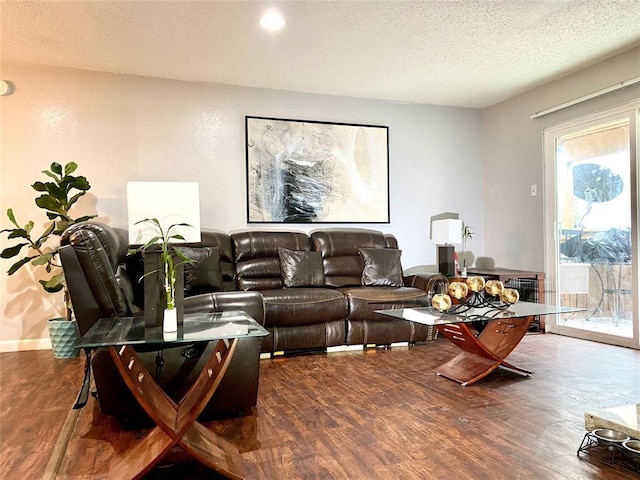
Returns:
(305, 171)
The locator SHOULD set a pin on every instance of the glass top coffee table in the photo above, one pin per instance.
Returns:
(176, 422)
(484, 352)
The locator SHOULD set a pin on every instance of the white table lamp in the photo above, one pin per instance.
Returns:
(169, 202)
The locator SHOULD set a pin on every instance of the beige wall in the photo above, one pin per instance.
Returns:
(512, 152)
(120, 128)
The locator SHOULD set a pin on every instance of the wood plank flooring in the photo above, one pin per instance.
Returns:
(377, 414)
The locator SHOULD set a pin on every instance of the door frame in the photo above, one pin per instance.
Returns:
(552, 227)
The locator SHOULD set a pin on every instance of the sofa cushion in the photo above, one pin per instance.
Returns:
(203, 274)
(381, 267)
(364, 301)
(301, 268)
(290, 307)
(365, 326)
(304, 337)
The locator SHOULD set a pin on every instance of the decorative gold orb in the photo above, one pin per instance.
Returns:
(510, 296)
(476, 283)
(441, 302)
(458, 290)
(494, 287)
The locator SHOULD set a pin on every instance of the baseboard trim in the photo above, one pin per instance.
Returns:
(24, 345)
(341, 348)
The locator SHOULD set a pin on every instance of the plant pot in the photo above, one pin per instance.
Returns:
(170, 321)
(64, 335)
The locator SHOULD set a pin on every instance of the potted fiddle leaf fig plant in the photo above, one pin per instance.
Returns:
(56, 196)
(163, 240)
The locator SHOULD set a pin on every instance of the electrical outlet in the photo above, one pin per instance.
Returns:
(534, 190)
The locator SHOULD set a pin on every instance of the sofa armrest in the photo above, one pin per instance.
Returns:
(431, 283)
(249, 302)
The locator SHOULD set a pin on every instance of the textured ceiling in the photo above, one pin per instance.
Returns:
(458, 53)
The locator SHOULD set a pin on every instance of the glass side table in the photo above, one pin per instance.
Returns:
(176, 423)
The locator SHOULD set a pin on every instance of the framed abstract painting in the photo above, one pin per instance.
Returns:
(302, 171)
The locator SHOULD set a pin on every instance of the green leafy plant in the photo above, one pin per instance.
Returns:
(163, 240)
(57, 196)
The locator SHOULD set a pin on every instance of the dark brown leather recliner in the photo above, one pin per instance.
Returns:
(93, 259)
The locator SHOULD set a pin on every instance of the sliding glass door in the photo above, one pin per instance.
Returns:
(592, 209)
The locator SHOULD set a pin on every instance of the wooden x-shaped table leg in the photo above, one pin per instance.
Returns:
(484, 353)
(176, 423)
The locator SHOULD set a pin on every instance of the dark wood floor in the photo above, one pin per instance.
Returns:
(378, 414)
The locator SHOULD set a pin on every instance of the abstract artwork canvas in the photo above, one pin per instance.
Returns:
(316, 172)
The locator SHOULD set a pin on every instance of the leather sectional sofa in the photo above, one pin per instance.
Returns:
(310, 291)
(322, 289)
(319, 290)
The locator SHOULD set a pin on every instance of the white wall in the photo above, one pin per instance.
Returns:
(512, 152)
(120, 128)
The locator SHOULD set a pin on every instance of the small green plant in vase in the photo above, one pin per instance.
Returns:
(467, 234)
(168, 256)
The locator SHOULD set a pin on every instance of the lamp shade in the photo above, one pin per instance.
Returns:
(446, 231)
(169, 202)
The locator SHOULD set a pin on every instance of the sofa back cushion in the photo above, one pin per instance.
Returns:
(257, 259)
(340, 249)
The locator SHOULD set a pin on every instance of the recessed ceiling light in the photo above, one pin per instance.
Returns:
(273, 21)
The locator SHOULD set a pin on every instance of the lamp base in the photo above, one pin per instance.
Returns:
(446, 262)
